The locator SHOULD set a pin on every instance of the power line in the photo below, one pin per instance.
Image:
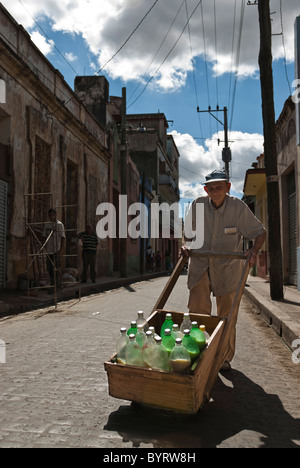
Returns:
(161, 44)
(194, 76)
(284, 50)
(168, 54)
(129, 37)
(49, 39)
(237, 58)
(205, 61)
(114, 55)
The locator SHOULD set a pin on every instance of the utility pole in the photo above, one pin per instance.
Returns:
(122, 215)
(226, 152)
(268, 112)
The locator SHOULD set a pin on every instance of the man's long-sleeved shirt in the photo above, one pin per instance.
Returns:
(224, 229)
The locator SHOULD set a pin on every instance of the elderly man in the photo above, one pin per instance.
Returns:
(227, 220)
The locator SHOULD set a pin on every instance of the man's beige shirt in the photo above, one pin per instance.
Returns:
(224, 229)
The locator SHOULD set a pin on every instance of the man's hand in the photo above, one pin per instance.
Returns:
(184, 251)
(253, 256)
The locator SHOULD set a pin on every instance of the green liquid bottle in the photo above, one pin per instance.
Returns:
(191, 345)
(132, 329)
(180, 359)
(168, 341)
(133, 353)
(168, 323)
(198, 335)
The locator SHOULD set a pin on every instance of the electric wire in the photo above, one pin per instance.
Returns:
(167, 56)
(194, 75)
(158, 50)
(205, 62)
(242, 15)
(49, 39)
(232, 53)
(284, 49)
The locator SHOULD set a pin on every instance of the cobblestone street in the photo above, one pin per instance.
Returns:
(54, 392)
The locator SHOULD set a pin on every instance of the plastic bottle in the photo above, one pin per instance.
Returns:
(153, 332)
(186, 322)
(141, 320)
(168, 323)
(140, 336)
(148, 348)
(198, 335)
(160, 357)
(121, 345)
(168, 341)
(203, 329)
(133, 353)
(180, 359)
(191, 345)
(133, 328)
(176, 333)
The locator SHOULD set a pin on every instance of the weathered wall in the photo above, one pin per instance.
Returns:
(51, 139)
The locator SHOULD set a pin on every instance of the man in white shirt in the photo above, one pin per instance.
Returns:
(227, 220)
(54, 232)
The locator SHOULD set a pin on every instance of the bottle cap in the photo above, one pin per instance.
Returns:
(175, 326)
(133, 323)
(123, 330)
(140, 313)
(158, 339)
(167, 331)
(149, 333)
(186, 331)
(132, 337)
(195, 324)
(178, 341)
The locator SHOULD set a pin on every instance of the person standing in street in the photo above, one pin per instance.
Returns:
(54, 232)
(227, 220)
(89, 252)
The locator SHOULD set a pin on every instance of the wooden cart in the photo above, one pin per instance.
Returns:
(185, 393)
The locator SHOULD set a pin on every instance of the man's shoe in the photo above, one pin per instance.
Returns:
(226, 366)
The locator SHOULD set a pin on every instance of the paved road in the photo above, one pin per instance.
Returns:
(53, 388)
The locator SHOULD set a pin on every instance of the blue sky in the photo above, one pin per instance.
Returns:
(180, 53)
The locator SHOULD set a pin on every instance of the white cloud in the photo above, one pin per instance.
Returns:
(71, 57)
(45, 46)
(196, 162)
(106, 25)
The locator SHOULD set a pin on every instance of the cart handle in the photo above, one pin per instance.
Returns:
(180, 266)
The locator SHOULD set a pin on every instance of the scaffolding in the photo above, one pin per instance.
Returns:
(39, 261)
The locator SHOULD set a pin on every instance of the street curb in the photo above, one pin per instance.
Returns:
(276, 318)
(69, 294)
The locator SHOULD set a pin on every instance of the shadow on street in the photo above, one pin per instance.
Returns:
(237, 404)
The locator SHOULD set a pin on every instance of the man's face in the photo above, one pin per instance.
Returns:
(52, 216)
(217, 192)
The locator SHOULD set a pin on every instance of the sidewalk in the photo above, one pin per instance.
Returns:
(16, 302)
(284, 315)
